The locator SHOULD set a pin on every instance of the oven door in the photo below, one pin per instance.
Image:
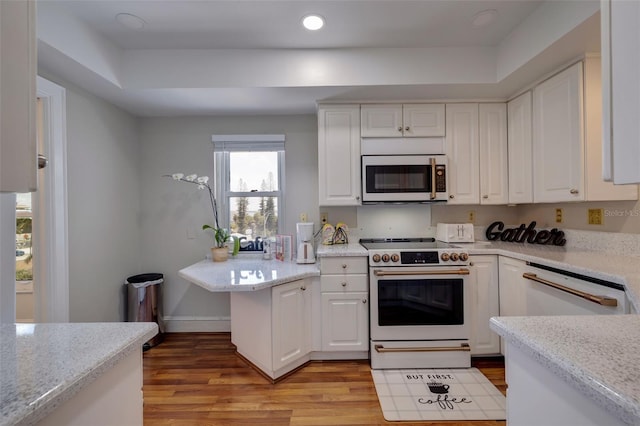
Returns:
(419, 303)
(404, 178)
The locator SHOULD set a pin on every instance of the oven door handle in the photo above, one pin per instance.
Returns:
(464, 347)
(461, 271)
(600, 300)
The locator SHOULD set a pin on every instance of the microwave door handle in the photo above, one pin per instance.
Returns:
(433, 178)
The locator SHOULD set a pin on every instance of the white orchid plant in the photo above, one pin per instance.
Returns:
(221, 235)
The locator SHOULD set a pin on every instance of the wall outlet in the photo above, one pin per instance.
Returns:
(472, 216)
(595, 216)
(558, 215)
(324, 218)
(303, 217)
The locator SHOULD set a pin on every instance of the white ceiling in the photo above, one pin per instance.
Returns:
(246, 57)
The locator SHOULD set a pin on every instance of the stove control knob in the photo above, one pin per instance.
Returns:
(454, 257)
(444, 257)
(395, 257)
(385, 257)
(375, 258)
(464, 257)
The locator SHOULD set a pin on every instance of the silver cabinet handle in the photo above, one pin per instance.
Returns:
(42, 161)
(303, 288)
(600, 300)
(344, 284)
(364, 300)
(574, 191)
(452, 196)
(400, 128)
(485, 196)
(406, 128)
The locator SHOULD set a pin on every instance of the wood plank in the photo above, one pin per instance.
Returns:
(197, 379)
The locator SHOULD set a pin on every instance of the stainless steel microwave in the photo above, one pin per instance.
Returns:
(404, 178)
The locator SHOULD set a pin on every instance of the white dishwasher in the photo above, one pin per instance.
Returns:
(551, 291)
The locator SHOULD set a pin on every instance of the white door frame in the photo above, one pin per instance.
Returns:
(51, 267)
(51, 263)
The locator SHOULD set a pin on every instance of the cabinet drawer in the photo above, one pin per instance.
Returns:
(343, 265)
(340, 283)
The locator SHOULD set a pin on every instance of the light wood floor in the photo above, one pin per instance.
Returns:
(196, 379)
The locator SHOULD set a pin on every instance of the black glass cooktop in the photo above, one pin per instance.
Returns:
(402, 243)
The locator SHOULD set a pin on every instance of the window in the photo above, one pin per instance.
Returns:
(249, 173)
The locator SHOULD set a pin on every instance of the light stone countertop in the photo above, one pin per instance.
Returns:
(44, 365)
(246, 273)
(597, 355)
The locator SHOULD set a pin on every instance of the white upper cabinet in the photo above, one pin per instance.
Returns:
(558, 139)
(339, 181)
(596, 188)
(567, 138)
(519, 149)
(408, 120)
(620, 32)
(476, 147)
(494, 180)
(18, 169)
(462, 153)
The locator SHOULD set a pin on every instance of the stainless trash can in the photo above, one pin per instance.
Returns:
(144, 303)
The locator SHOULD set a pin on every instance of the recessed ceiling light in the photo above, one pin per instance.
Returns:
(130, 21)
(484, 18)
(313, 22)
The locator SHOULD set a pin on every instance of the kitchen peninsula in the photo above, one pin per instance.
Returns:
(72, 373)
(274, 317)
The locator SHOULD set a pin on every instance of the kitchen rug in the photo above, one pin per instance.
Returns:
(438, 394)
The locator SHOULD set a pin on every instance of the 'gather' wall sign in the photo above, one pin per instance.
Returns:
(523, 234)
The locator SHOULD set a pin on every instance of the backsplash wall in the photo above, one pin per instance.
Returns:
(619, 216)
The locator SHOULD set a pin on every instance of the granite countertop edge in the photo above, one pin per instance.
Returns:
(572, 373)
(37, 411)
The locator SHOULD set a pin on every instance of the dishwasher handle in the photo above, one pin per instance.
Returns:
(600, 300)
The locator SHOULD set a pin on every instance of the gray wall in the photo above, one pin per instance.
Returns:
(103, 205)
(173, 212)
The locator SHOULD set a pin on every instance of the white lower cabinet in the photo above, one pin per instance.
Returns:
(271, 328)
(539, 396)
(483, 284)
(512, 287)
(344, 289)
(345, 324)
(291, 323)
(113, 398)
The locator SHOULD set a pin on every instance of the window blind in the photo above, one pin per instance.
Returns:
(247, 143)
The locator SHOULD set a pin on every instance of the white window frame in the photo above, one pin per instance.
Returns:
(223, 146)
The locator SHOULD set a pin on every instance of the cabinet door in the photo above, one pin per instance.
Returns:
(18, 170)
(596, 188)
(345, 322)
(483, 283)
(519, 149)
(558, 139)
(620, 32)
(423, 120)
(291, 322)
(380, 121)
(494, 186)
(462, 152)
(339, 155)
(512, 287)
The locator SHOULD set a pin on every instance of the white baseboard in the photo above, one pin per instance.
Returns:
(185, 324)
